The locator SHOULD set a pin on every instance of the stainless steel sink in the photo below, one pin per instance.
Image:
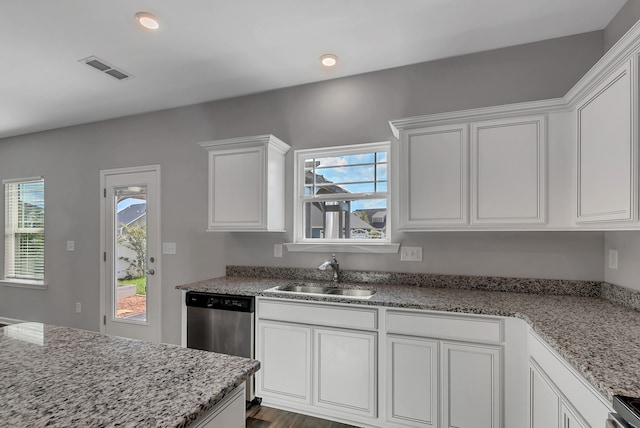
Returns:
(315, 289)
(325, 290)
(352, 292)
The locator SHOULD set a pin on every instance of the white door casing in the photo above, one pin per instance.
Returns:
(148, 177)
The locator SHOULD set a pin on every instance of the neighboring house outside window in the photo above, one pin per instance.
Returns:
(129, 215)
(342, 194)
(24, 231)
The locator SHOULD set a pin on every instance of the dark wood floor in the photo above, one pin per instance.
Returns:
(266, 417)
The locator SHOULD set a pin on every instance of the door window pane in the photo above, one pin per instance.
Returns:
(130, 255)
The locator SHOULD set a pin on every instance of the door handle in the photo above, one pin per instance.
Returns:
(151, 272)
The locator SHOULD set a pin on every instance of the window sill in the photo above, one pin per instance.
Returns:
(40, 285)
(386, 248)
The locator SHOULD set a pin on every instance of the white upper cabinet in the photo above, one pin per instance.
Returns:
(435, 182)
(495, 177)
(607, 150)
(246, 184)
(568, 163)
(508, 171)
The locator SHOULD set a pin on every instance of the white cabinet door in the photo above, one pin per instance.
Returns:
(607, 151)
(471, 386)
(508, 171)
(237, 187)
(246, 184)
(545, 402)
(412, 381)
(345, 371)
(434, 176)
(570, 418)
(285, 353)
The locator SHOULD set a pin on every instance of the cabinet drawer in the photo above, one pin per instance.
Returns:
(456, 327)
(319, 314)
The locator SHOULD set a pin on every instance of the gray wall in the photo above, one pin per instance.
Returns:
(620, 24)
(626, 243)
(335, 112)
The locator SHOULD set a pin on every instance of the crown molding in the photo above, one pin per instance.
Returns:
(483, 113)
(627, 47)
(252, 141)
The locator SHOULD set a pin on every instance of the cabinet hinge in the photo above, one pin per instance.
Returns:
(104, 192)
(104, 320)
(104, 256)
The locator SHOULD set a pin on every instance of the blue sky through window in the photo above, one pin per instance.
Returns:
(360, 173)
(32, 193)
(128, 202)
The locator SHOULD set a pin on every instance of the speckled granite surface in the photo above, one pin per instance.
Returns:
(622, 296)
(60, 377)
(489, 283)
(596, 336)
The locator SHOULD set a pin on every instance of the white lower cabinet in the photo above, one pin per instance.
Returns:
(437, 369)
(443, 379)
(570, 418)
(311, 366)
(545, 402)
(228, 413)
(471, 385)
(549, 408)
(285, 351)
(412, 381)
(345, 370)
(560, 398)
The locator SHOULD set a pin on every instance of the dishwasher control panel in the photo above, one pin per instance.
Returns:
(220, 301)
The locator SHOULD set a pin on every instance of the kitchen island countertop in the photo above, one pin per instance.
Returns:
(599, 338)
(62, 377)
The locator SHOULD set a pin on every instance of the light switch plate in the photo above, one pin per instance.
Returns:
(71, 245)
(411, 254)
(168, 248)
(613, 259)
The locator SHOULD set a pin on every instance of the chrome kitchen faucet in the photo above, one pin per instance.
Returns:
(335, 266)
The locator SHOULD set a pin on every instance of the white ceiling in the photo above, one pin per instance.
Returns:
(214, 49)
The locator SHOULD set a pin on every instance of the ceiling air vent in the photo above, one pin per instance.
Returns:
(106, 68)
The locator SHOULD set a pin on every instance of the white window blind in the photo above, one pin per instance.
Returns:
(24, 230)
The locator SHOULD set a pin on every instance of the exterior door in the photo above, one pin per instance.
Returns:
(130, 238)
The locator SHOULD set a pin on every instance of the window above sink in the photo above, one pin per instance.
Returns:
(342, 199)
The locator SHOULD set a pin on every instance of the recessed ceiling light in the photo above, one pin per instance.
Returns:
(147, 20)
(328, 60)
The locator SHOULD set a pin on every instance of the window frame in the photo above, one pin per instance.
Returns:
(13, 281)
(301, 243)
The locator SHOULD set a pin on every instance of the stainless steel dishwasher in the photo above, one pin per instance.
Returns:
(224, 324)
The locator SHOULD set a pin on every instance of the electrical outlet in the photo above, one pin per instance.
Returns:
(277, 250)
(78, 308)
(168, 248)
(613, 259)
(411, 254)
(71, 245)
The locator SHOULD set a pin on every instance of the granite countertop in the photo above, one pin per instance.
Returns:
(62, 377)
(599, 338)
